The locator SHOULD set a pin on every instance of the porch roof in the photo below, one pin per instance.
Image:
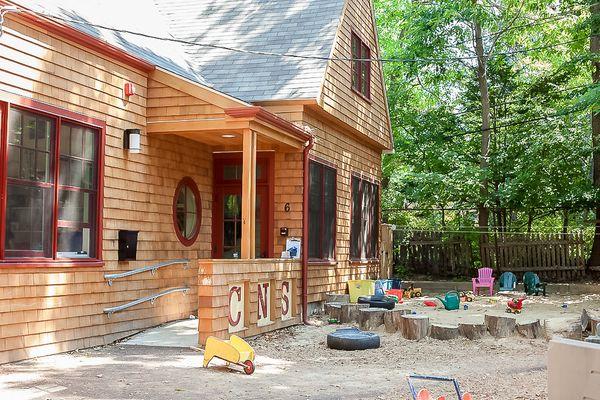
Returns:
(225, 132)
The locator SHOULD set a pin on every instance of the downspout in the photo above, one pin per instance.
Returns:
(305, 161)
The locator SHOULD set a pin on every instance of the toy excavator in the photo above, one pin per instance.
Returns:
(514, 305)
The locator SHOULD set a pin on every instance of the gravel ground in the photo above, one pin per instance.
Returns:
(292, 364)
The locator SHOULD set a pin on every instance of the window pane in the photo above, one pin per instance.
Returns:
(186, 212)
(15, 125)
(14, 162)
(28, 164)
(315, 211)
(88, 175)
(190, 224)
(65, 171)
(71, 206)
(29, 131)
(89, 144)
(75, 242)
(42, 167)
(65, 139)
(329, 198)
(76, 141)
(44, 133)
(76, 173)
(356, 217)
(28, 221)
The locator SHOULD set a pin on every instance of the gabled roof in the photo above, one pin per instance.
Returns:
(306, 27)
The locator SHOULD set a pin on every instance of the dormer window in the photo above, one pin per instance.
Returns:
(361, 69)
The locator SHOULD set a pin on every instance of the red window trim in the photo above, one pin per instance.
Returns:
(191, 184)
(8, 101)
(326, 164)
(362, 177)
(353, 64)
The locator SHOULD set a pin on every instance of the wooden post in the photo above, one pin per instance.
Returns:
(249, 195)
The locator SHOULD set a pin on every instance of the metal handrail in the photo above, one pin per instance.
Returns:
(151, 299)
(151, 268)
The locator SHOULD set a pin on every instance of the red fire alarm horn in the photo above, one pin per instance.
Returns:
(129, 89)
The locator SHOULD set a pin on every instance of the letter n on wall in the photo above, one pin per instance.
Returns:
(266, 300)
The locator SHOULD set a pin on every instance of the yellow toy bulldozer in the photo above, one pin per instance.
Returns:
(233, 351)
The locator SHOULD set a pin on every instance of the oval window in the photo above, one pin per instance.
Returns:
(187, 211)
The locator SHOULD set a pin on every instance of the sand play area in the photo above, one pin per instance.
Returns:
(295, 363)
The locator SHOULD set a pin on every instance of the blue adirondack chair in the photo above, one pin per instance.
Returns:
(508, 282)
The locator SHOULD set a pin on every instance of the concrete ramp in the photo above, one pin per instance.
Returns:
(174, 334)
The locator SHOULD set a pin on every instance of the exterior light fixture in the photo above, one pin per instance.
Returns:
(228, 136)
(132, 140)
(129, 89)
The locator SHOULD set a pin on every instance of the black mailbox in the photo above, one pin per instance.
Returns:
(128, 245)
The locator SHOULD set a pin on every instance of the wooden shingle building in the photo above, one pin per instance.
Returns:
(171, 157)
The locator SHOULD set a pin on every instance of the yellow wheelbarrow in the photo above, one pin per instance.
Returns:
(233, 351)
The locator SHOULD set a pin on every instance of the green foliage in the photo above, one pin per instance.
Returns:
(541, 92)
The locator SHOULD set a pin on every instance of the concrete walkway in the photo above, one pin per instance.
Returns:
(175, 334)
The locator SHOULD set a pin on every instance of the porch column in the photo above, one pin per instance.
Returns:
(249, 195)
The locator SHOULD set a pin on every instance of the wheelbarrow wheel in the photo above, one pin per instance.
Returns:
(248, 367)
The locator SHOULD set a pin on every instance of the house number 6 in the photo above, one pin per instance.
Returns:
(287, 207)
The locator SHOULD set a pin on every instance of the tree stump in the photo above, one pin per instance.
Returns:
(334, 310)
(500, 326)
(530, 329)
(393, 320)
(472, 331)
(415, 326)
(350, 312)
(589, 320)
(370, 318)
(337, 298)
(573, 331)
(444, 332)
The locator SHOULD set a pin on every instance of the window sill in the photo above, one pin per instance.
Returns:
(51, 264)
(322, 262)
(362, 96)
(358, 261)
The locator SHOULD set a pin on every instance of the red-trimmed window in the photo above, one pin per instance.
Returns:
(361, 69)
(50, 191)
(364, 230)
(187, 211)
(321, 212)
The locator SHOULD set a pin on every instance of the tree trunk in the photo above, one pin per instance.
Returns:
(371, 318)
(444, 332)
(393, 320)
(530, 329)
(484, 94)
(472, 331)
(350, 312)
(500, 326)
(415, 326)
(595, 48)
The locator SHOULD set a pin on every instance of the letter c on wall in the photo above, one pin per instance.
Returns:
(238, 290)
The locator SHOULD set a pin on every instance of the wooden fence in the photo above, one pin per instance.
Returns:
(554, 257)
(433, 253)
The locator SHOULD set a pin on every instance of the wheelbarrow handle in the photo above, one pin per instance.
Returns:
(432, 378)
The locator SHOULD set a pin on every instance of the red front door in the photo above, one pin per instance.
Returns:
(227, 207)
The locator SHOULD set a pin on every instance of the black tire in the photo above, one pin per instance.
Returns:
(351, 339)
(382, 302)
